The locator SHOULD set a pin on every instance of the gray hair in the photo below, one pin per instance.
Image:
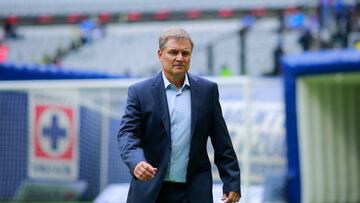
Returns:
(177, 33)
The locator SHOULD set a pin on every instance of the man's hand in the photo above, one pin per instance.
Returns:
(231, 197)
(144, 171)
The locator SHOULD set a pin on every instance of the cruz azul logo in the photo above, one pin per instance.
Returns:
(54, 133)
(53, 141)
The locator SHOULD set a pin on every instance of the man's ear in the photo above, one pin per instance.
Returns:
(159, 54)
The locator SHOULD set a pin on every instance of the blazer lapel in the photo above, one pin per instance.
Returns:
(195, 101)
(158, 91)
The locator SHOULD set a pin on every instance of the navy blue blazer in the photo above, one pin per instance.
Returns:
(144, 135)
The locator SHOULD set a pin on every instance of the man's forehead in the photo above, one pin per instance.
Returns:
(176, 43)
(178, 40)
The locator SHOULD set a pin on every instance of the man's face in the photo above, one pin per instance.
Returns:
(175, 57)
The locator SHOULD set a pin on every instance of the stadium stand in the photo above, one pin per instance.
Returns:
(38, 42)
(119, 52)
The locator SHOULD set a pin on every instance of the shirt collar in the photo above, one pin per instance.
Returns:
(167, 82)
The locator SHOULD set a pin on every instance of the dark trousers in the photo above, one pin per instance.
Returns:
(173, 192)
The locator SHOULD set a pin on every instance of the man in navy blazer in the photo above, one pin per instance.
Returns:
(164, 131)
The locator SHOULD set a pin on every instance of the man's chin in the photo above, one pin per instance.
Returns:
(178, 67)
(179, 70)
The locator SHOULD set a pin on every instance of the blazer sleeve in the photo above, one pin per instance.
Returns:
(225, 156)
(129, 135)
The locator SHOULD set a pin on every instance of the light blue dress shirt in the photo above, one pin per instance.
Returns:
(179, 103)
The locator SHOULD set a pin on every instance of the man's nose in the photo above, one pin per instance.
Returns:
(179, 57)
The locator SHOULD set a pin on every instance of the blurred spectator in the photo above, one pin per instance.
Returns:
(343, 24)
(92, 29)
(225, 71)
(87, 27)
(295, 20)
(357, 45)
(100, 30)
(9, 28)
(306, 39)
(356, 18)
(278, 53)
(4, 50)
(325, 38)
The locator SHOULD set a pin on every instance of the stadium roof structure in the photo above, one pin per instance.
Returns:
(321, 91)
(60, 12)
(38, 7)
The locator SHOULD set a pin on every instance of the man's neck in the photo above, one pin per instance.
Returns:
(177, 80)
